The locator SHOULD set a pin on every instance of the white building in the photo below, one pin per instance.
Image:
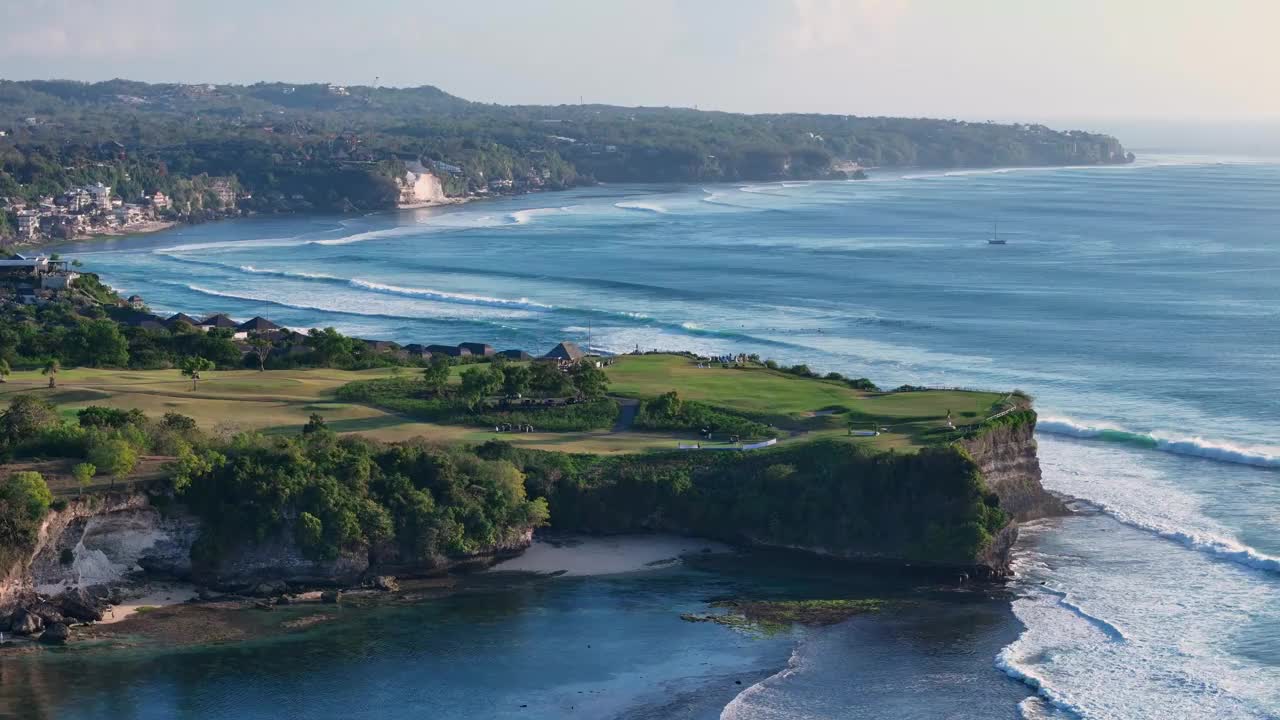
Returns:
(101, 195)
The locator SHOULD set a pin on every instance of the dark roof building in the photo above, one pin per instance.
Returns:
(566, 352)
(381, 346)
(176, 318)
(477, 348)
(218, 321)
(516, 355)
(450, 350)
(258, 324)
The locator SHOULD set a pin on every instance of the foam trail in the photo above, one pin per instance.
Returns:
(283, 273)
(1006, 663)
(445, 296)
(642, 207)
(1202, 542)
(524, 217)
(1192, 446)
(1111, 631)
(738, 709)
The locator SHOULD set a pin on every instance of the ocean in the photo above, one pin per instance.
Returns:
(1139, 305)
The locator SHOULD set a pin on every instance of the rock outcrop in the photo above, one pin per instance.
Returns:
(107, 538)
(1006, 455)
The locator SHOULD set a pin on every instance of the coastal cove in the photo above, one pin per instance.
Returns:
(889, 279)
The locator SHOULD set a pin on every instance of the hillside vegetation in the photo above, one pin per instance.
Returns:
(318, 147)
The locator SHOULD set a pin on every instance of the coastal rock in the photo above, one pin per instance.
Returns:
(25, 623)
(270, 589)
(331, 597)
(80, 605)
(56, 634)
(384, 582)
(1011, 469)
(46, 612)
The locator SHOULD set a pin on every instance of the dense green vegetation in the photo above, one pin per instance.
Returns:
(311, 147)
(404, 503)
(87, 329)
(929, 506)
(24, 500)
(537, 394)
(669, 412)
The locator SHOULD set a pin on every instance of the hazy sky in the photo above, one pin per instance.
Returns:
(977, 59)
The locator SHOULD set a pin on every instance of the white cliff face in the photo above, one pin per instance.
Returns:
(420, 187)
(107, 539)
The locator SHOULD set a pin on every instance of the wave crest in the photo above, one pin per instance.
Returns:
(1221, 451)
(444, 296)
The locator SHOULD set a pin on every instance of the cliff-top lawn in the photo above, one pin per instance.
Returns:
(793, 402)
(282, 400)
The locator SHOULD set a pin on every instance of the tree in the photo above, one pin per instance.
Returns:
(50, 371)
(24, 500)
(330, 346)
(436, 375)
(83, 473)
(516, 379)
(192, 367)
(477, 384)
(589, 380)
(315, 424)
(26, 417)
(113, 456)
(261, 347)
(4, 370)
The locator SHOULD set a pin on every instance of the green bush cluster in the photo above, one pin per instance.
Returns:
(400, 503)
(930, 506)
(670, 412)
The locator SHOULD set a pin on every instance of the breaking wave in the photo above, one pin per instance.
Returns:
(524, 217)
(1111, 631)
(1204, 542)
(642, 207)
(739, 707)
(445, 296)
(1007, 664)
(1193, 446)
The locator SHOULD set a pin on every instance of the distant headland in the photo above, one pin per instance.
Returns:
(80, 159)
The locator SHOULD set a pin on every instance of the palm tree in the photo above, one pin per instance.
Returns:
(192, 367)
(50, 370)
(4, 370)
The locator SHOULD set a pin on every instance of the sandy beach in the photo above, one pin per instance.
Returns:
(606, 555)
(152, 595)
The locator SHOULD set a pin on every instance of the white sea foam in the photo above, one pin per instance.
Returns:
(524, 217)
(1223, 451)
(287, 273)
(642, 207)
(739, 708)
(445, 296)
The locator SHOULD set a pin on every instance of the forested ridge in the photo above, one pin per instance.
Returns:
(322, 147)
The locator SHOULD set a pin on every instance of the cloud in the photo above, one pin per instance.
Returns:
(822, 25)
(87, 29)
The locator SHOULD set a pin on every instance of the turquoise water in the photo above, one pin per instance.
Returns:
(1138, 304)
(596, 647)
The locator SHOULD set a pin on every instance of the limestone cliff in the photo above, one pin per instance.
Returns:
(97, 541)
(1006, 455)
(421, 188)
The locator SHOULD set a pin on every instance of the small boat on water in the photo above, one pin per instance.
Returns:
(995, 236)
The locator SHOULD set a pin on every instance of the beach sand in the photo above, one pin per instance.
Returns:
(152, 595)
(606, 555)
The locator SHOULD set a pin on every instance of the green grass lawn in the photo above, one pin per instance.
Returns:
(799, 404)
(279, 401)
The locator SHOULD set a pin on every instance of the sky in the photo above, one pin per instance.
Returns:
(1005, 60)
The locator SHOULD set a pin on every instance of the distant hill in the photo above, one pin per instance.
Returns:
(301, 147)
